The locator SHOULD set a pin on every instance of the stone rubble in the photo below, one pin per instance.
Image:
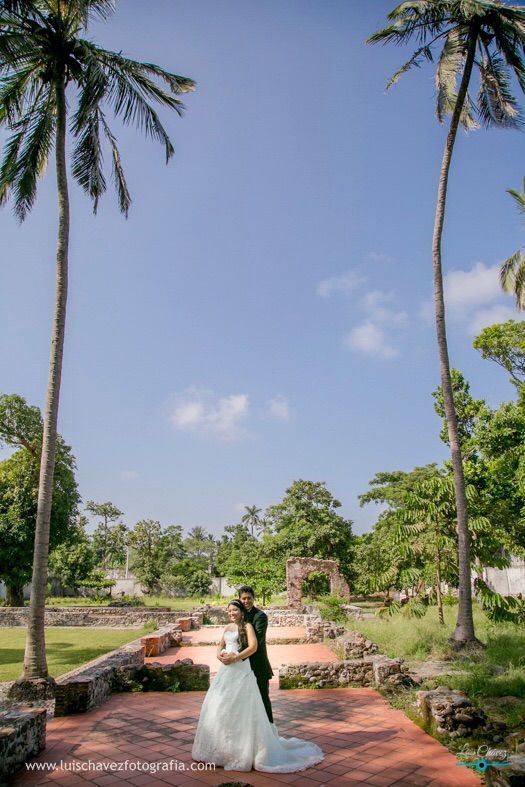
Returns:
(449, 712)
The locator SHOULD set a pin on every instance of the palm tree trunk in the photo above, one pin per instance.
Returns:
(464, 632)
(438, 588)
(35, 664)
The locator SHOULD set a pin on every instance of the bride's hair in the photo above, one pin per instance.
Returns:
(241, 626)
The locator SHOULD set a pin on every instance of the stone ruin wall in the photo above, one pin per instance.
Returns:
(298, 568)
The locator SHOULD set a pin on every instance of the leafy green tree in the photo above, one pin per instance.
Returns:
(505, 345)
(426, 534)
(21, 428)
(201, 548)
(256, 563)
(72, 561)
(379, 562)
(44, 63)
(388, 488)
(109, 540)
(154, 551)
(306, 524)
(470, 413)
(18, 504)
(186, 576)
(230, 543)
(20, 424)
(488, 37)
(512, 272)
(491, 443)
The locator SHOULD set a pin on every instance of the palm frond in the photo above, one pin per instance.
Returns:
(124, 199)
(32, 152)
(450, 64)
(519, 198)
(12, 92)
(519, 286)
(508, 274)
(508, 28)
(422, 20)
(93, 87)
(87, 160)
(424, 53)
(497, 106)
(12, 148)
(129, 90)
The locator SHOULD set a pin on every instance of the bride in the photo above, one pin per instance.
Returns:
(233, 730)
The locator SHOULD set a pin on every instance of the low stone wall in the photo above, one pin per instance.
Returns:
(22, 735)
(373, 671)
(277, 616)
(124, 670)
(318, 630)
(181, 676)
(85, 688)
(449, 712)
(353, 645)
(118, 617)
(159, 641)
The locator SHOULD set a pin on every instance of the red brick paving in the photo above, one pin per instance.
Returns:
(366, 743)
(213, 634)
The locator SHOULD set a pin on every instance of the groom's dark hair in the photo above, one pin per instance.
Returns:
(246, 589)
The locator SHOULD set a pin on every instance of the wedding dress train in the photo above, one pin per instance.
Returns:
(234, 731)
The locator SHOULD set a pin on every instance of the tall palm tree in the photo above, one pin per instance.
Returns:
(43, 61)
(489, 38)
(252, 519)
(512, 272)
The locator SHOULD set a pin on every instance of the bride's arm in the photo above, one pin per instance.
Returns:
(252, 644)
(221, 646)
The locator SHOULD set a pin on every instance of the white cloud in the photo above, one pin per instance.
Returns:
(492, 316)
(474, 298)
(373, 303)
(369, 339)
(129, 474)
(279, 409)
(372, 255)
(240, 507)
(466, 290)
(345, 283)
(199, 412)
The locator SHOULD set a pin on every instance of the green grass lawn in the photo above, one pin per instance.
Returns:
(183, 604)
(494, 679)
(66, 649)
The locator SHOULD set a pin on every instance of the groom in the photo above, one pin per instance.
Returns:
(259, 660)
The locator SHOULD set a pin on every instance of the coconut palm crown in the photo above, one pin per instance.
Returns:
(45, 65)
(41, 55)
(495, 33)
(487, 37)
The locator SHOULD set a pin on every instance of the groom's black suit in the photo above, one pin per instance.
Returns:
(259, 660)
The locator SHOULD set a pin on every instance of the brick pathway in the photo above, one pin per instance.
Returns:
(366, 743)
(213, 634)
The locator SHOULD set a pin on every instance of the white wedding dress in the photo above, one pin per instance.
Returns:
(234, 731)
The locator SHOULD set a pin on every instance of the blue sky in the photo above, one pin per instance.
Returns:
(265, 313)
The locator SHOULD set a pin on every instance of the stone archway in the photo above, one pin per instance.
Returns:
(297, 568)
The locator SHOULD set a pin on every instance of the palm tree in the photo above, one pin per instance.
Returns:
(512, 272)
(251, 518)
(43, 57)
(488, 37)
